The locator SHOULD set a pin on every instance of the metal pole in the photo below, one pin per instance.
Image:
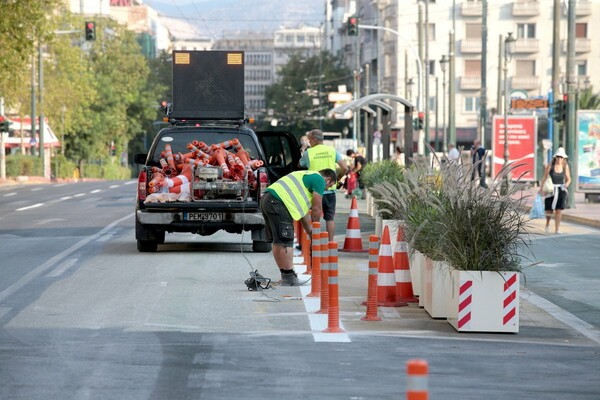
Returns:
(499, 107)
(571, 88)
(483, 101)
(452, 91)
(426, 73)
(555, 72)
(506, 107)
(422, 134)
(33, 102)
(437, 107)
(444, 130)
(45, 164)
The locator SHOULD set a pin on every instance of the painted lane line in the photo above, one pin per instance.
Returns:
(10, 194)
(30, 207)
(36, 189)
(113, 186)
(96, 191)
(66, 197)
(562, 315)
(79, 195)
(130, 182)
(318, 322)
(29, 277)
(62, 268)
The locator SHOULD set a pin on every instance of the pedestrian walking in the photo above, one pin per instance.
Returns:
(296, 196)
(557, 170)
(478, 158)
(399, 156)
(359, 164)
(316, 158)
(453, 154)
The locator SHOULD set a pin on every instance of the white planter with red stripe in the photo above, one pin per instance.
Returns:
(484, 301)
(417, 272)
(437, 289)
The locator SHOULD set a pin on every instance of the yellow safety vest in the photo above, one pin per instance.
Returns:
(321, 157)
(295, 196)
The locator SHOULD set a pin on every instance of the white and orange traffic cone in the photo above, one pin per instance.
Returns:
(333, 312)
(316, 261)
(386, 281)
(404, 289)
(353, 241)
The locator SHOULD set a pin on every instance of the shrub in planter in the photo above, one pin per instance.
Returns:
(376, 173)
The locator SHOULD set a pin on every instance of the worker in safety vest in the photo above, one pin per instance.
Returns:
(317, 157)
(287, 200)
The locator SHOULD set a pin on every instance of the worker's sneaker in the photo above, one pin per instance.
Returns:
(290, 280)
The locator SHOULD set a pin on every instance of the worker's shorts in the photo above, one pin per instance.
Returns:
(329, 201)
(278, 221)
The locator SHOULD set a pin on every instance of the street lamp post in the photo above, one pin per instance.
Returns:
(443, 65)
(409, 85)
(509, 47)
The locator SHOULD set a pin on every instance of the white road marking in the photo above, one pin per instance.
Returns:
(30, 207)
(56, 259)
(35, 189)
(79, 195)
(62, 268)
(562, 315)
(130, 182)
(49, 220)
(113, 186)
(10, 194)
(96, 191)
(66, 197)
(318, 322)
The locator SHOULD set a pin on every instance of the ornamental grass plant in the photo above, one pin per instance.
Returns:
(379, 172)
(451, 218)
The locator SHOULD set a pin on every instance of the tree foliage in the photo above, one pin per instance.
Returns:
(302, 80)
(588, 100)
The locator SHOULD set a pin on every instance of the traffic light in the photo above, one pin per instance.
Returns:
(352, 26)
(90, 30)
(560, 111)
(4, 124)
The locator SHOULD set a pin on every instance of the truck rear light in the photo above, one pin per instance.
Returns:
(263, 179)
(142, 181)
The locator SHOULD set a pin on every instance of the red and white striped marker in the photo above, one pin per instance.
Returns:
(417, 380)
(510, 299)
(465, 302)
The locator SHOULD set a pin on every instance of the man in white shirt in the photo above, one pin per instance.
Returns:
(453, 154)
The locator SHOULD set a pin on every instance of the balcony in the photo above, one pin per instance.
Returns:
(583, 9)
(470, 82)
(527, 45)
(471, 9)
(582, 45)
(470, 45)
(525, 8)
(525, 82)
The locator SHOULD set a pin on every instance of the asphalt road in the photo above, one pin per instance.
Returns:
(83, 315)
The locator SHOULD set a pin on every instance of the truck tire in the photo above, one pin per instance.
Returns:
(261, 247)
(147, 246)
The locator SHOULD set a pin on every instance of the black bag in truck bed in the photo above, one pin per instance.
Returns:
(208, 85)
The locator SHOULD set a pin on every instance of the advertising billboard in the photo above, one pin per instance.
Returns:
(522, 142)
(588, 151)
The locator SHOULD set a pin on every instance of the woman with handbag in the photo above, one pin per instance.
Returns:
(559, 174)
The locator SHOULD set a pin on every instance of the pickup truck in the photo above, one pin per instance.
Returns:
(209, 200)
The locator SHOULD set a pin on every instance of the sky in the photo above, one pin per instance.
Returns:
(212, 17)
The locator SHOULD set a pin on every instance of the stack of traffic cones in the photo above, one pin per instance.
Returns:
(353, 241)
(386, 281)
(404, 289)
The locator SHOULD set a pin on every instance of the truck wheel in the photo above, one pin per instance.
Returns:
(147, 246)
(160, 237)
(261, 247)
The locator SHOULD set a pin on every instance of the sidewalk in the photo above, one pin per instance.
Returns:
(535, 323)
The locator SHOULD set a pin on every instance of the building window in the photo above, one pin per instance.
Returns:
(525, 68)
(581, 67)
(581, 30)
(526, 31)
(473, 31)
(473, 68)
(300, 38)
(432, 67)
(431, 32)
(472, 104)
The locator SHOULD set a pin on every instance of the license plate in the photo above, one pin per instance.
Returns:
(203, 216)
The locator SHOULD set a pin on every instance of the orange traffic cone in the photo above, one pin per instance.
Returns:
(353, 241)
(386, 282)
(404, 290)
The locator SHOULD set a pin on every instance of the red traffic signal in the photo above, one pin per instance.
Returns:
(90, 30)
(352, 26)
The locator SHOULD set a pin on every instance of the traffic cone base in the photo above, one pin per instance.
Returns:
(404, 291)
(353, 241)
(386, 281)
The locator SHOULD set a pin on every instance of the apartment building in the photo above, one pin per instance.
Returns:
(529, 70)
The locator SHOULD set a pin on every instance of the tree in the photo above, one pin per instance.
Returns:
(302, 80)
(588, 100)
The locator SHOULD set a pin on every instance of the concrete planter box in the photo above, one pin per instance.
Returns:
(417, 272)
(484, 301)
(437, 288)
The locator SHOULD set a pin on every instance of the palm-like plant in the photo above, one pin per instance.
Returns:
(449, 217)
(588, 100)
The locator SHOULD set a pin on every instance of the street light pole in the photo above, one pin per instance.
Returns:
(443, 64)
(509, 43)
